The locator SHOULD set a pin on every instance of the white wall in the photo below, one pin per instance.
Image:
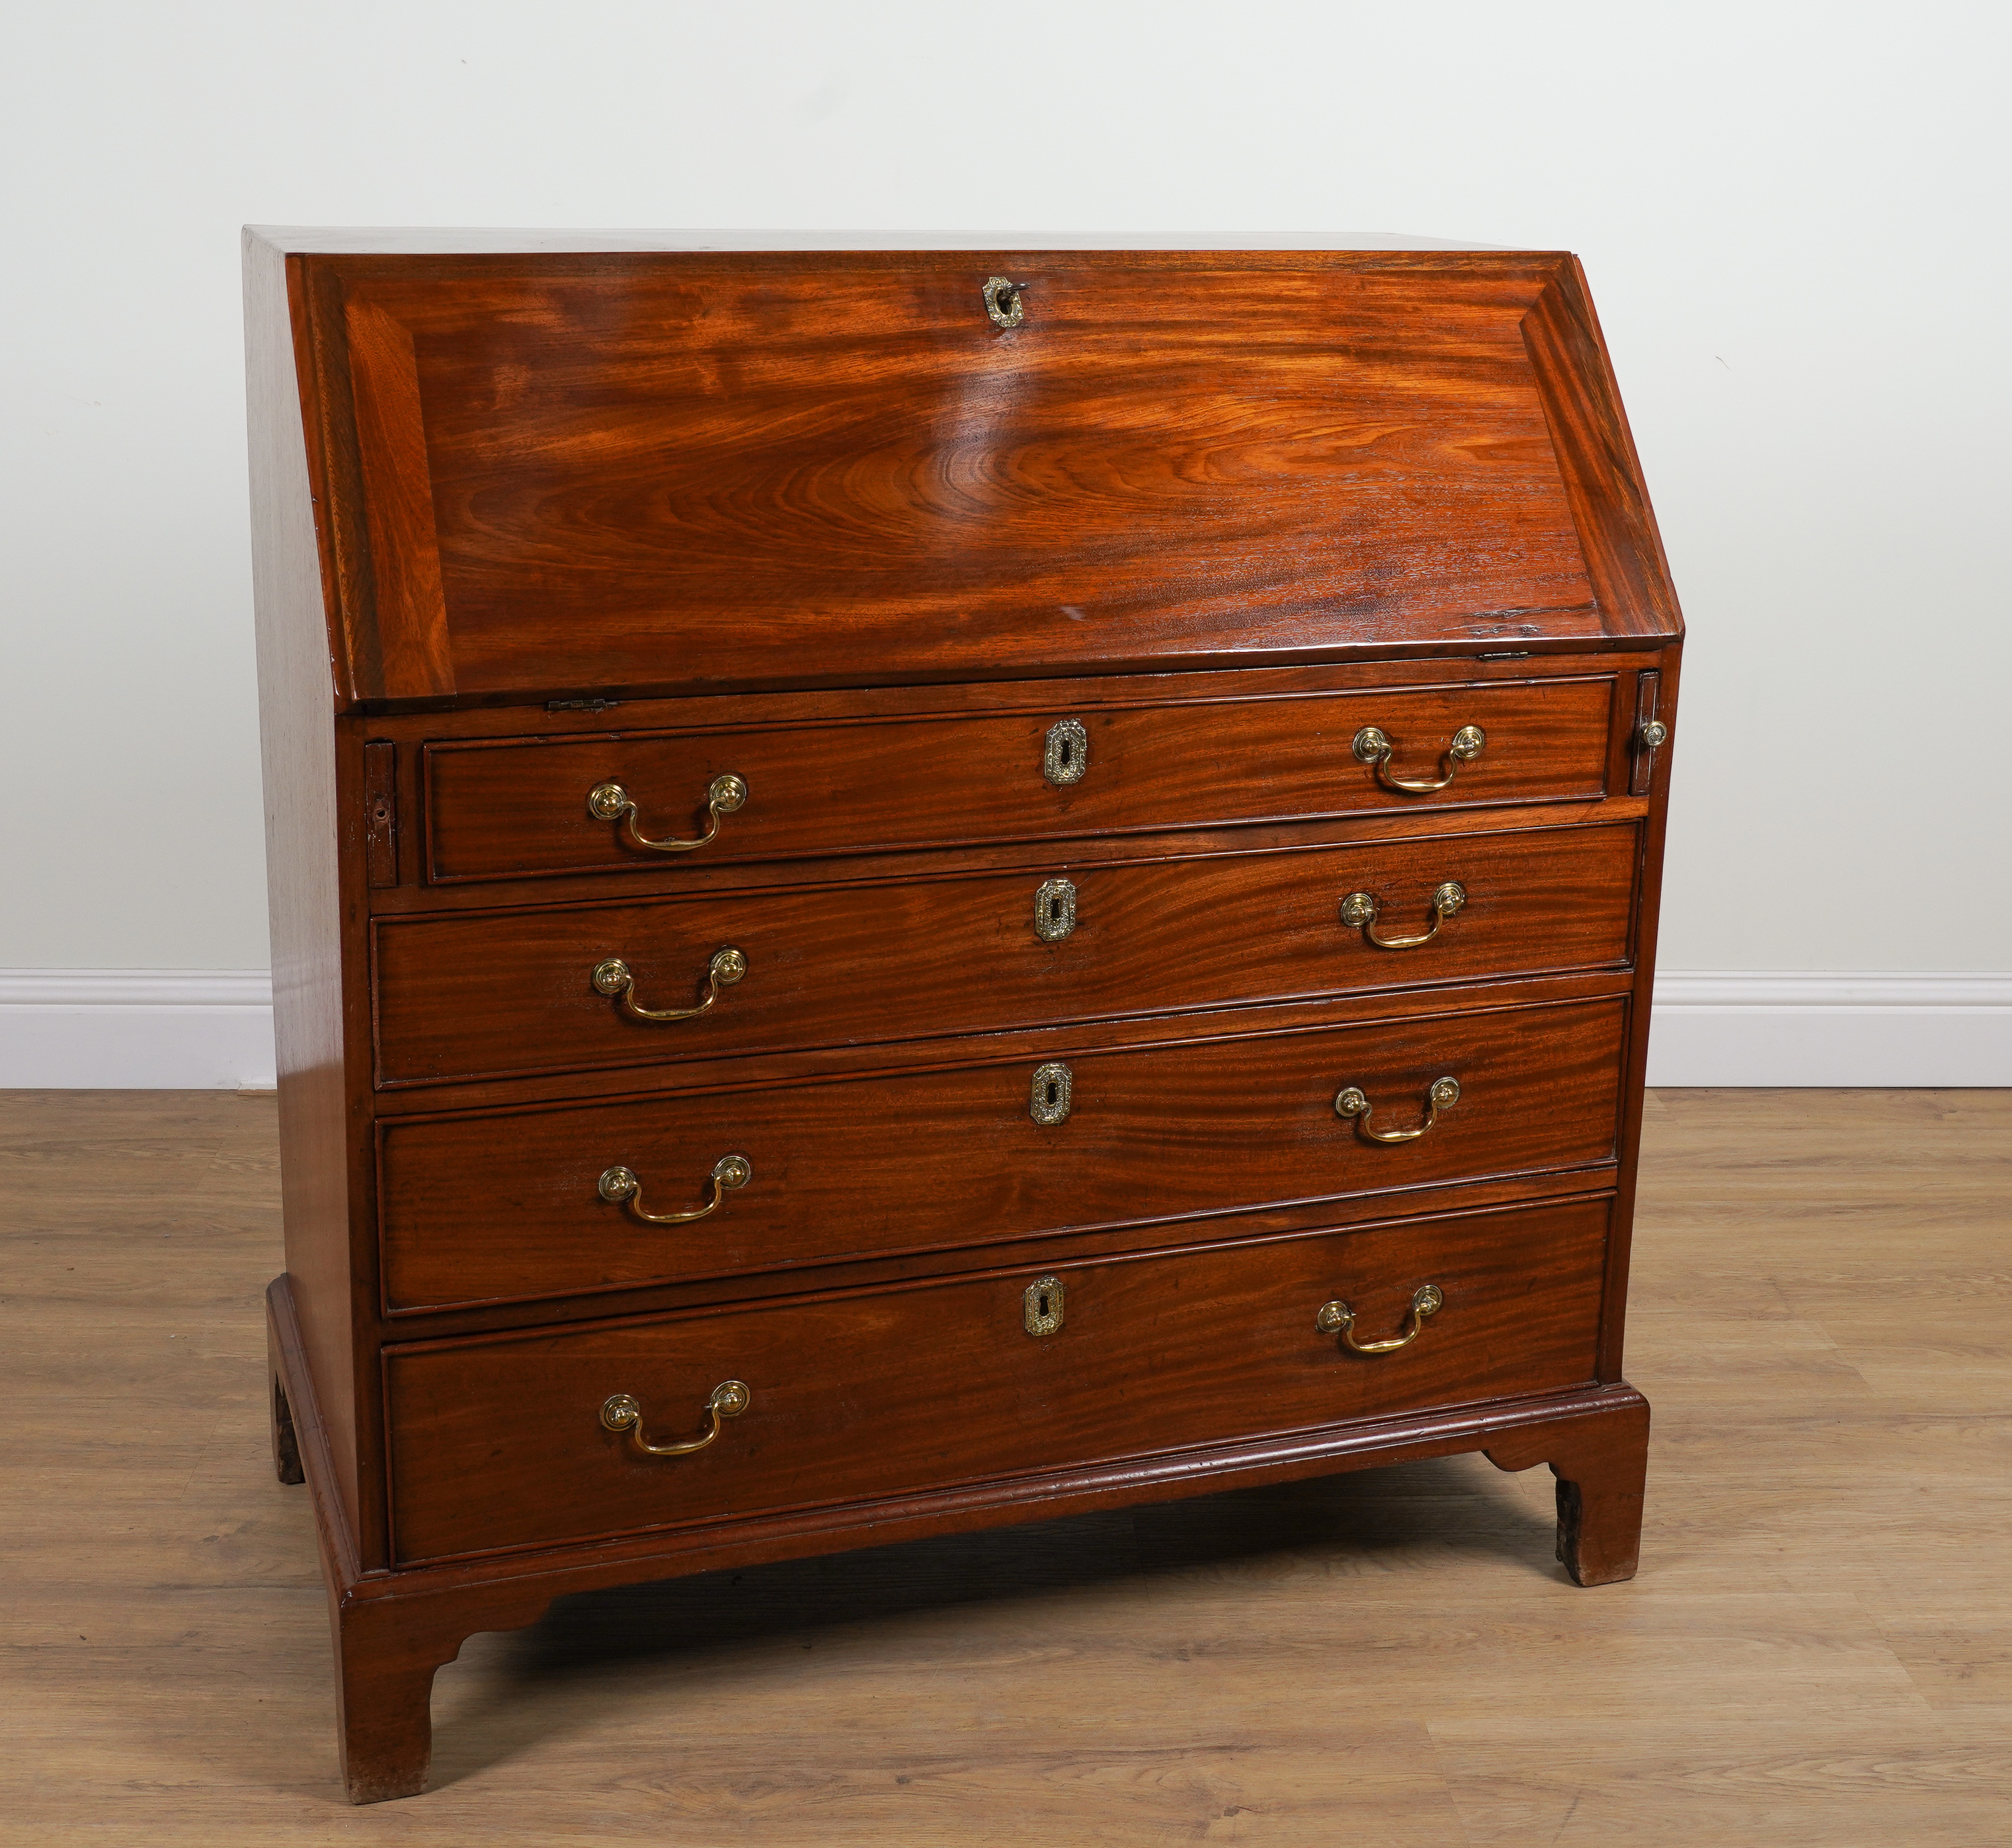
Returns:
(1793, 218)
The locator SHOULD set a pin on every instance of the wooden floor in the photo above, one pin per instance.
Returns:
(1819, 1648)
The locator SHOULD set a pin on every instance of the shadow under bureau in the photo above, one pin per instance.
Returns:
(913, 888)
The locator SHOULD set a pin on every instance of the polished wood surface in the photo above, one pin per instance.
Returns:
(1818, 1649)
(313, 887)
(506, 1205)
(919, 581)
(507, 808)
(467, 995)
(496, 1442)
(750, 469)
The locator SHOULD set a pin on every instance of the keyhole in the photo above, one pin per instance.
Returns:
(380, 815)
(1042, 1306)
(1048, 1095)
(1054, 911)
(1068, 753)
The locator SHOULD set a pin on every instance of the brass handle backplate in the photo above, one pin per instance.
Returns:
(1337, 1318)
(1004, 308)
(612, 977)
(1373, 746)
(1358, 910)
(621, 1412)
(611, 802)
(619, 1186)
(1445, 1092)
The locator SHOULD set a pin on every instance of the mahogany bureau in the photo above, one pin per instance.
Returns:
(913, 888)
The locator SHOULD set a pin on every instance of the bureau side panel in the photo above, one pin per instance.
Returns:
(297, 742)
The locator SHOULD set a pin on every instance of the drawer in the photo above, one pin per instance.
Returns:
(497, 1443)
(473, 995)
(520, 1205)
(510, 808)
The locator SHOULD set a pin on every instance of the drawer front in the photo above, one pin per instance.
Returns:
(500, 1443)
(518, 1205)
(519, 808)
(472, 996)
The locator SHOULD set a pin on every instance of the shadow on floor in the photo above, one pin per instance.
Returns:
(539, 1682)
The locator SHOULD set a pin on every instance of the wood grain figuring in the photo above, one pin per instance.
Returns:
(497, 1444)
(1597, 461)
(720, 462)
(475, 996)
(1819, 1648)
(506, 1205)
(405, 550)
(504, 809)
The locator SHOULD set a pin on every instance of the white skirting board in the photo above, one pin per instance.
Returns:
(181, 1029)
(1881, 1031)
(136, 1029)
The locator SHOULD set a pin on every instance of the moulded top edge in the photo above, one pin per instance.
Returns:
(391, 241)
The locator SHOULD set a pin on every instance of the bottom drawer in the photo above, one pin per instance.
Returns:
(499, 1442)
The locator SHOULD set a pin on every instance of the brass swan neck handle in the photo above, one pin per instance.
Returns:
(1372, 745)
(622, 1411)
(1337, 1318)
(611, 802)
(613, 977)
(1358, 911)
(618, 1186)
(1351, 1102)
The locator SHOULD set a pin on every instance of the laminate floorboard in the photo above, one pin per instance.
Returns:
(1819, 1648)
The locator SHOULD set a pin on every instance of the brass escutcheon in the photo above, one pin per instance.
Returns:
(1337, 1318)
(1042, 1306)
(611, 802)
(1003, 306)
(622, 1411)
(1054, 910)
(1065, 752)
(613, 977)
(1049, 1095)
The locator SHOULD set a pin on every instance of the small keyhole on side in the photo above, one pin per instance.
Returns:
(1054, 911)
(1054, 1092)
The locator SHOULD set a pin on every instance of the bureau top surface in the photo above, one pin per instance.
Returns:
(550, 471)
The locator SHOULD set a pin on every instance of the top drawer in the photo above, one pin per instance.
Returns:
(530, 807)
